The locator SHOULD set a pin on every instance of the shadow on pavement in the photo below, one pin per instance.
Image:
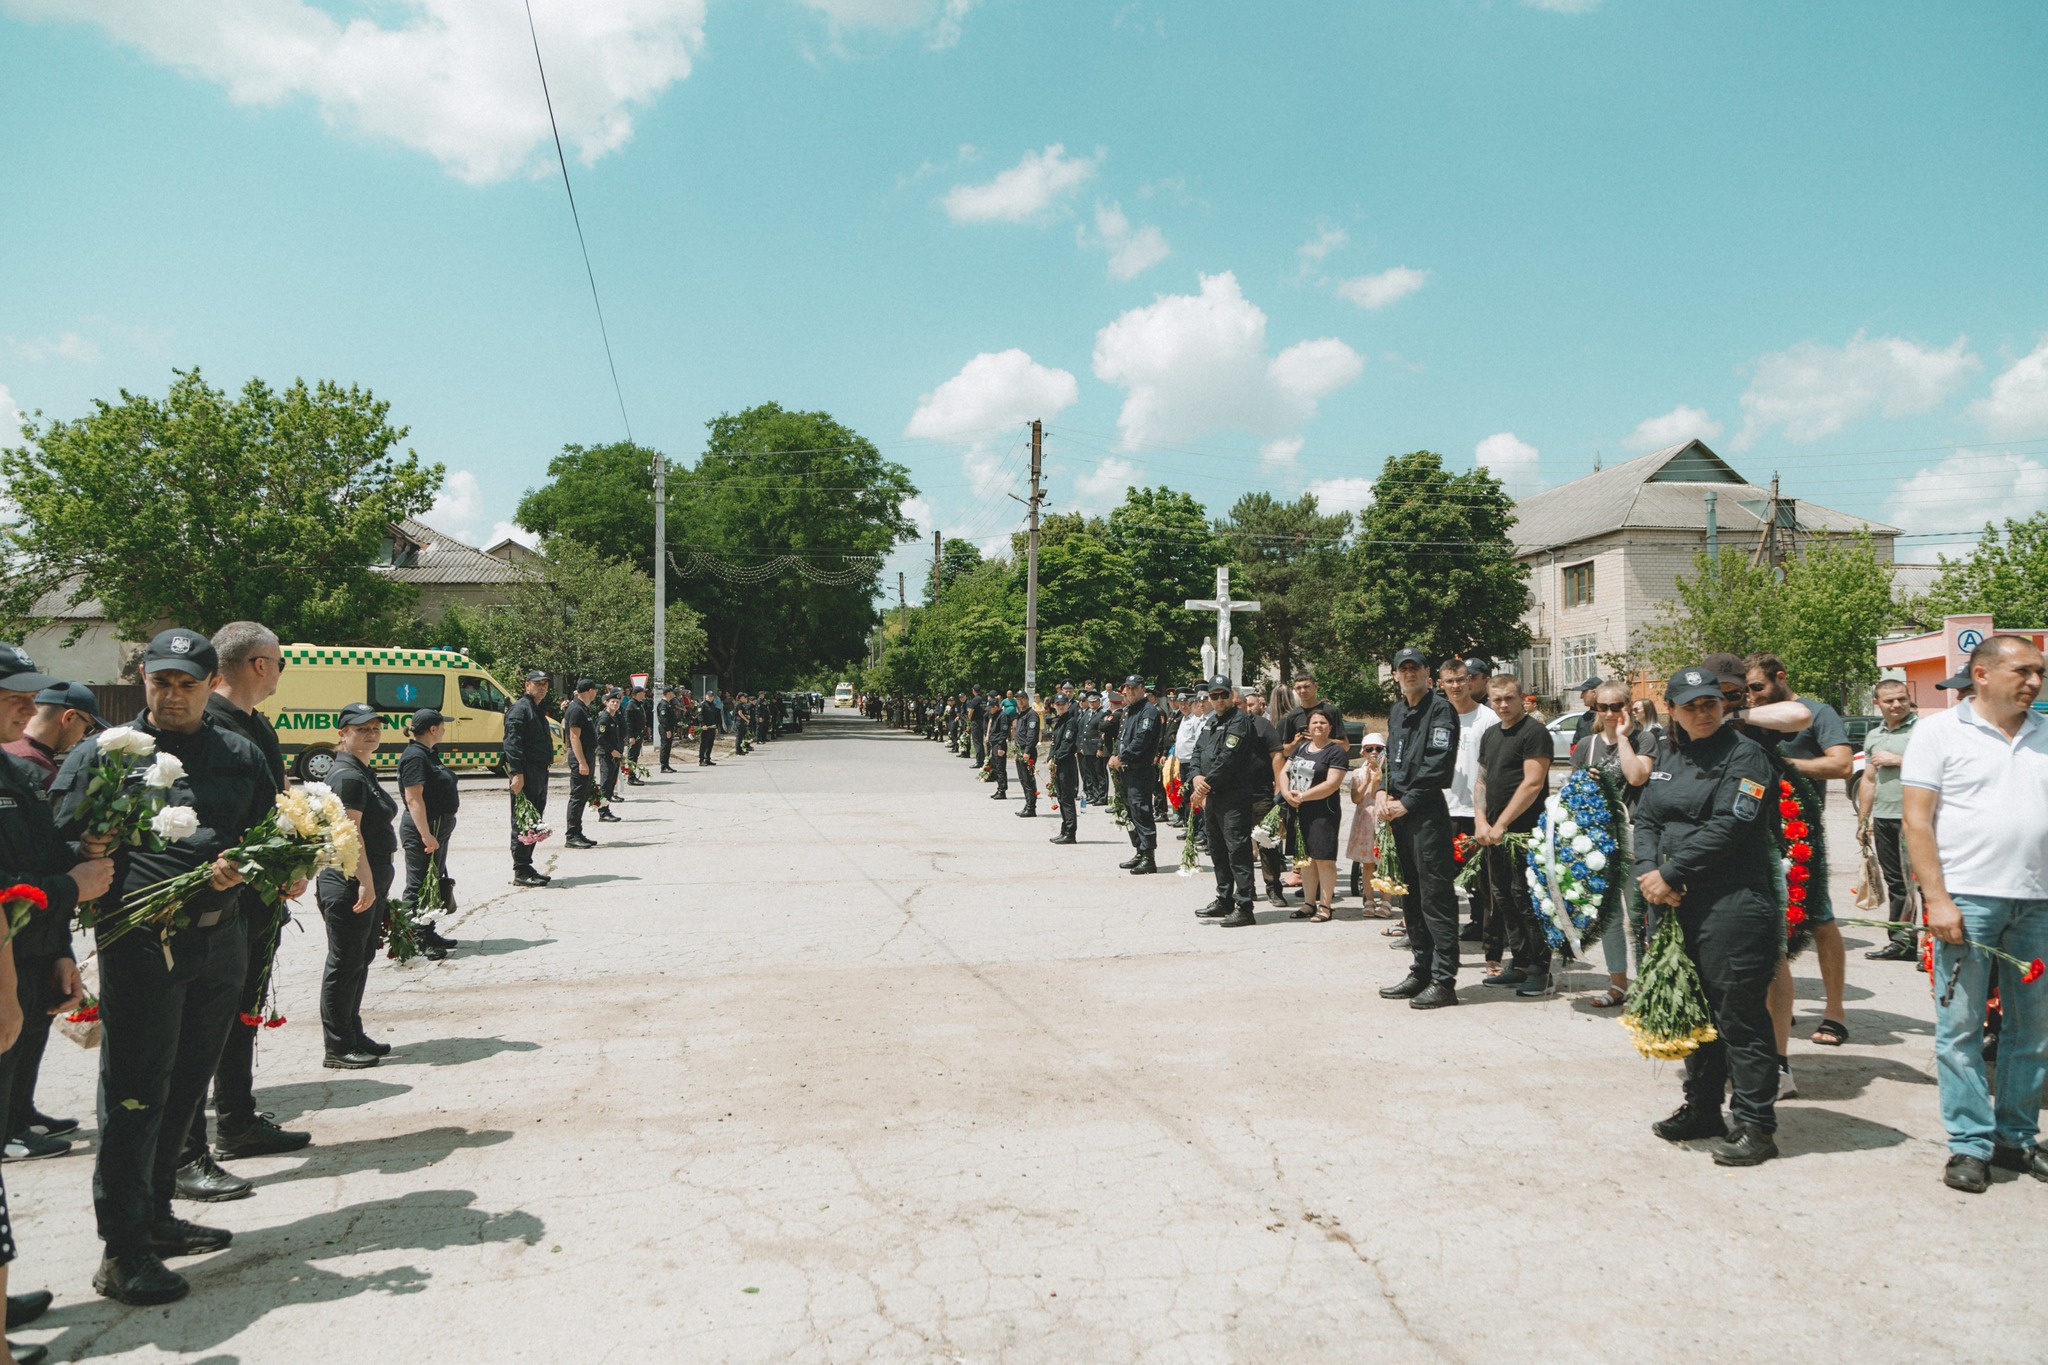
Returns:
(287, 1102)
(595, 878)
(498, 947)
(1844, 1076)
(455, 1051)
(272, 1268)
(1802, 1130)
(397, 1154)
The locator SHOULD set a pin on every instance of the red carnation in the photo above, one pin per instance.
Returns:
(275, 1021)
(1796, 894)
(2033, 971)
(1788, 809)
(22, 891)
(1795, 917)
(252, 1020)
(1802, 852)
(1785, 788)
(1797, 875)
(1796, 829)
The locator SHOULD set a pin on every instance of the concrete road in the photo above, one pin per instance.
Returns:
(826, 1056)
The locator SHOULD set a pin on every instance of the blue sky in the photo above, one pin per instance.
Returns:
(1214, 245)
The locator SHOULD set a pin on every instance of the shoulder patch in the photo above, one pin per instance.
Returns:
(1230, 741)
(1752, 789)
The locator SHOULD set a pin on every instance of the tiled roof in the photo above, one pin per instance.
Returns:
(444, 559)
(1631, 496)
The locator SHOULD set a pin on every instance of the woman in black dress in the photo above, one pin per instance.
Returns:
(354, 907)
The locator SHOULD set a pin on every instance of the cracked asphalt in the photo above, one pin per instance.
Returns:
(826, 1057)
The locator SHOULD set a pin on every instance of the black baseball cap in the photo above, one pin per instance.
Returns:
(536, 675)
(18, 672)
(584, 685)
(1219, 683)
(76, 696)
(1725, 666)
(357, 713)
(1961, 682)
(1134, 681)
(1691, 684)
(426, 718)
(185, 650)
(1475, 664)
(1410, 655)
(1589, 684)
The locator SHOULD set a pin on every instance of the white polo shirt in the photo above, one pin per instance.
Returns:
(1465, 769)
(1991, 826)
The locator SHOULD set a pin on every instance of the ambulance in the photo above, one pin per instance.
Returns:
(318, 680)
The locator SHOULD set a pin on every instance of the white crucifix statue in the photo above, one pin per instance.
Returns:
(1221, 650)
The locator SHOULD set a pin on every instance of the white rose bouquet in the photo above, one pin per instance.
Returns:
(122, 799)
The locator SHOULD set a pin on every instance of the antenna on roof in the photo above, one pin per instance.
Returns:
(1596, 462)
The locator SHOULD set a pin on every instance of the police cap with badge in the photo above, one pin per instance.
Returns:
(182, 650)
(1692, 684)
(18, 672)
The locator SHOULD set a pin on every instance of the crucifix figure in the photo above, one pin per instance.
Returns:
(1221, 651)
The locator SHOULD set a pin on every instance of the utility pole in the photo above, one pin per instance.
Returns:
(938, 544)
(1031, 564)
(660, 669)
(902, 610)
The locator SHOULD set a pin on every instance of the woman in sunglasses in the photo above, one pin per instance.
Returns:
(1626, 753)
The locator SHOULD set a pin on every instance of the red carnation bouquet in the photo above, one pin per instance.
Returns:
(19, 902)
(1802, 850)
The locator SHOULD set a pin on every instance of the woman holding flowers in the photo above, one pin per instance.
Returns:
(431, 799)
(354, 907)
(169, 995)
(1703, 846)
(1314, 773)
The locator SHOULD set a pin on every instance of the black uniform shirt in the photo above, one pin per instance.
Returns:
(34, 854)
(1112, 725)
(1422, 749)
(529, 744)
(999, 723)
(576, 721)
(360, 789)
(252, 726)
(1294, 724)
(1137, 739)
(613, 729)
(1026, 731)
(1233, 755)
(420, 766)
(1704, 820)
(1066, 736)
(1088, 730)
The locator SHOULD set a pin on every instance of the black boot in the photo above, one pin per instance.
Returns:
(1744, 1146)
(1687, 1123)
(140, 1278)
(1145, 866)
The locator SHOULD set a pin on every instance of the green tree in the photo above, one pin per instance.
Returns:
(1825, 620)
(1723, 606)
(774, 484)
(956, 557)
(2004, 577)
(580, 613)
(1165, 536)
(1433, 566)
(603, 496)
(202, 508)
(456, 629)
(1289, 558)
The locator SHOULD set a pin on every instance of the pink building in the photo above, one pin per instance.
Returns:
(1927, 659)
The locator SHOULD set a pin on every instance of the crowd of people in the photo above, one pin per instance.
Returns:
(178, 1009)
(1449, 794)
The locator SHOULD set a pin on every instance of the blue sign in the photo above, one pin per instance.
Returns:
(410, 692)
(1968, 640)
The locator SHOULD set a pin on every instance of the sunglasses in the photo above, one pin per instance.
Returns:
(1759, 687)
(276, 661)
(1610, 706)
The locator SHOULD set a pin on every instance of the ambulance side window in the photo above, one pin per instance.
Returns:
(407, 691)
(480, 694)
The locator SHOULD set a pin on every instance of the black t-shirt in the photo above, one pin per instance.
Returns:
(1295, 722)
(1306, 770)
(359, 789)
(1502, 751)
(420, 766)
(254, 727)
(1593, 751)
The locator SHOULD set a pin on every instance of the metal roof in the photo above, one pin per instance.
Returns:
(444, 559)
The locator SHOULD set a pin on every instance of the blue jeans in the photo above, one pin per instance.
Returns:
(2019, 927)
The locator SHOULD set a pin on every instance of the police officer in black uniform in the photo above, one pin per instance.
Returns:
(639, 725)
(1024, 736)
(34, 854)
(1422, 751)
(1001, 718)
(529, 753)
(1233, 767)
(166, 1003)
(977, 726)
(1064, 753)
(429, 797)
(1703, 848)
(1137, 766)
(1091, 767)
(579, 737)
(614, 733)
(707, 730)
(665, 722)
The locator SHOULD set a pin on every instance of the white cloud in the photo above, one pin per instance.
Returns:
(1813, 391)
(1312, 253)
(457, 506)
(1377, 291)
(1189, 363)
(505, 530)
(941, 19)
(1026, 191)
(996, 389)
(1564, 6)
(920, 514)
(1510, 459)
(1682, 423)
(1342, 495)
(1280, 456)
(65, 346)
(10, 419)
(1132, 251)
(1961, 494)
(1104, 486)
(452, 78)
(2018, 405)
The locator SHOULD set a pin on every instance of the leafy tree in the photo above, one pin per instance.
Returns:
(777, 483)
(1289, 558)
(1725, 606)
(603, 496)
(1433, 566)
(2005, 577)
(579, 613)
(956, 557)
(1165, 536)
(1834, 603)
(202, 508)
(457, 629)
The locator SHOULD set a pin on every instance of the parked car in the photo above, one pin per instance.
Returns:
(1561, 731)
(1859, 728)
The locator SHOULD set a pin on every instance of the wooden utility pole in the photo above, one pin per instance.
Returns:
(1031, 563)
(938, 544)
(660, 669)
(902, 609)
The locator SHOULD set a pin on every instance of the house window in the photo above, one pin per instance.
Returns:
(1581, 658)
(1578, 585)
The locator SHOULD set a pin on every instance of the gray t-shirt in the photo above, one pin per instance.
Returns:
(1816, 739)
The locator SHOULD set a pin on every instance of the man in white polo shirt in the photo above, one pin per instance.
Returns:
(1976, 828)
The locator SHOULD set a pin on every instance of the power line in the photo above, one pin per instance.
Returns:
(577, 218)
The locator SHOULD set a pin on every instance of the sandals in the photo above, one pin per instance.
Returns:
(1610, 998)
(1830, 1033)
(1321, 916)
(1301, 913)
